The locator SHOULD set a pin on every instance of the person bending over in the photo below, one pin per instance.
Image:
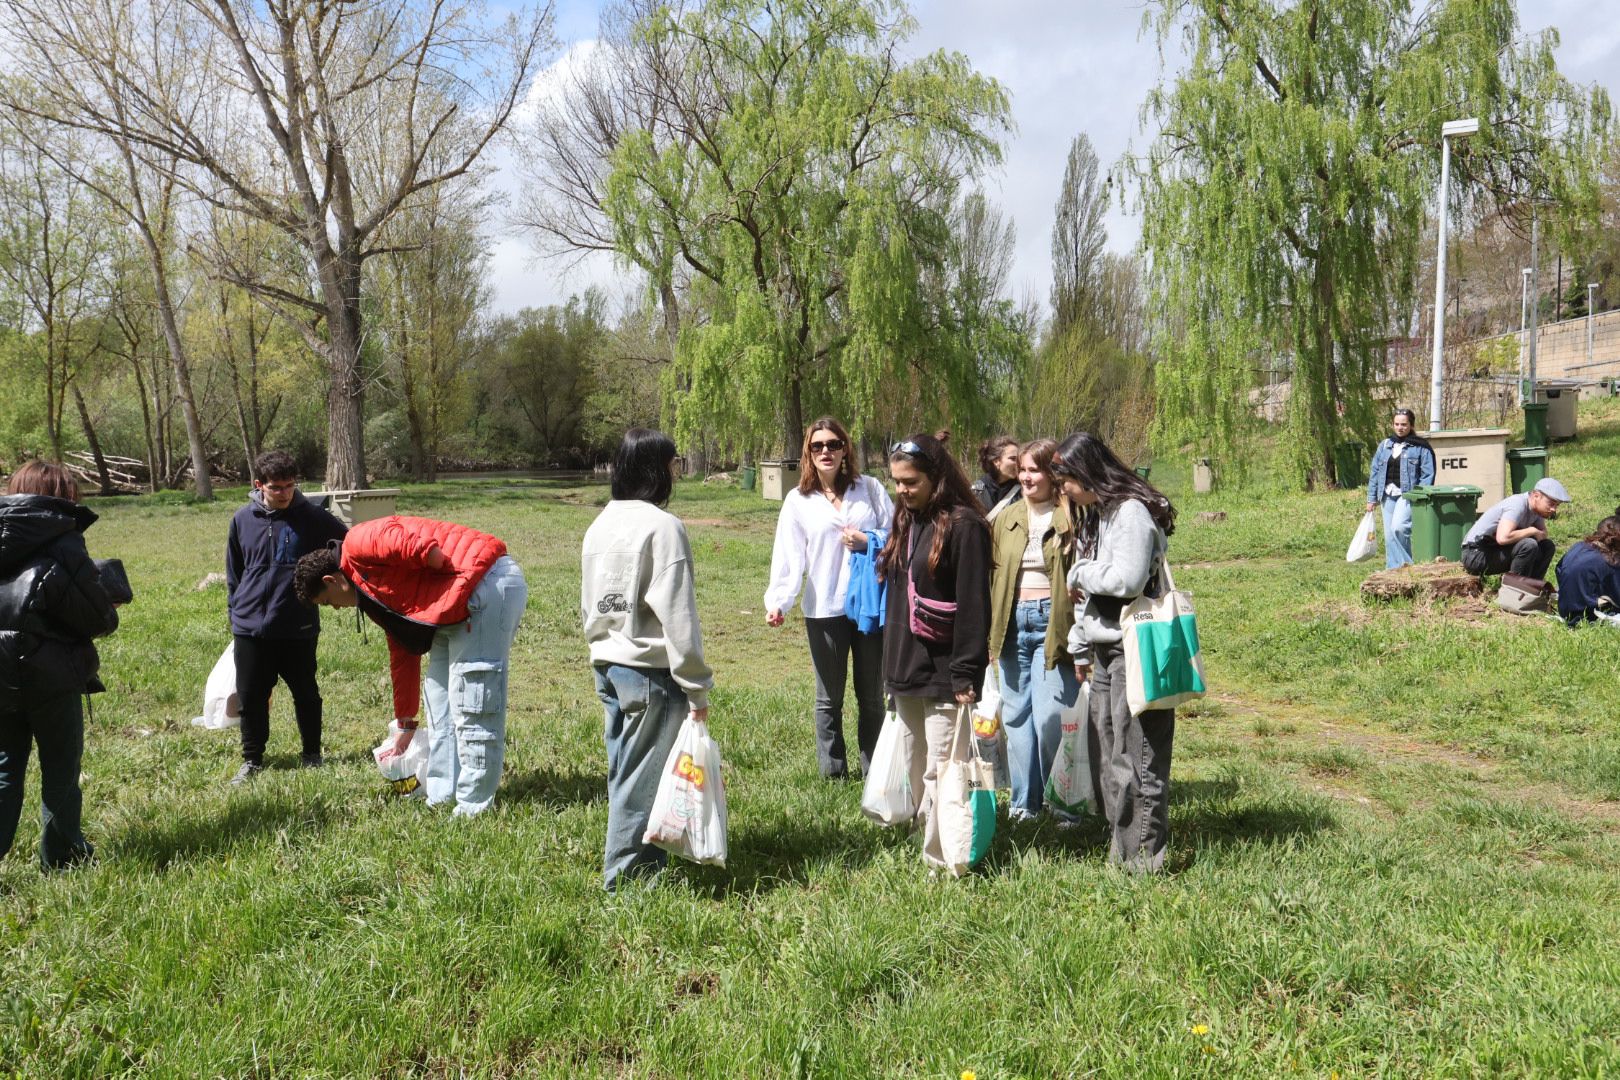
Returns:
(451, 594)
(1511, 537)
(1590, 572)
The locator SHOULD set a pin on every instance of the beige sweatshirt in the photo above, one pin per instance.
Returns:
(636, 596)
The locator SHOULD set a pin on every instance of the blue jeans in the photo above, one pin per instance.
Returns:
(465, 691)
(643, 708)
(57, 725)
(1397, 531)
(1032, 703)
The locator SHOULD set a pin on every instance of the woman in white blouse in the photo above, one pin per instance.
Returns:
(825, 519)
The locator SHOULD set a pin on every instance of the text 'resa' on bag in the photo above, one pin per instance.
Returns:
(1163, 667)
(689, 812)
(965, 800)
(887, 797)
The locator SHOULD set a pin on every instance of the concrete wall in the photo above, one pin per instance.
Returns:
(1561, 349)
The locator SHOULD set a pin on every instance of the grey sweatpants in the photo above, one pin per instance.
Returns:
(1131, 765)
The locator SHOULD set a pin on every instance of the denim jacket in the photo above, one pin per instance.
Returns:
(1417, 467)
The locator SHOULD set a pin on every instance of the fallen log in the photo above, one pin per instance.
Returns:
(1440, 579)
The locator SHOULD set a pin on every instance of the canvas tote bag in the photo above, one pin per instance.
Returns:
(1163, 667)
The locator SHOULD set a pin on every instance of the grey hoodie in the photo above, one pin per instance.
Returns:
(636, 595)
(1128, 548)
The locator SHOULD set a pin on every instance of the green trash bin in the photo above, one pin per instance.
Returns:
(1143, 471)
(749, 474)
(1526, 465)
(1535, 423)
(1425, 529)
(1350, 464)
(1456, 507)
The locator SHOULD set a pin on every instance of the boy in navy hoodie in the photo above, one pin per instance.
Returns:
(275, 634)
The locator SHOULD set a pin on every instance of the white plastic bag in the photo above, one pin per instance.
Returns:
(406, 772)
(1069, 788)
(221, 707)
(689, 812)
(887, 797)
(1365, 542)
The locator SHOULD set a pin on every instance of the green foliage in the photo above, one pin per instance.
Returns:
(805, 175)
(541, 366)
(1284, 198)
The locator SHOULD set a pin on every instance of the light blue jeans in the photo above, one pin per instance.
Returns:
(464, 688)
(1032, 703)
(1397, 531)
(643, 710)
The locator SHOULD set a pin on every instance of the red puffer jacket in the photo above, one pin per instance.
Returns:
(386, 560)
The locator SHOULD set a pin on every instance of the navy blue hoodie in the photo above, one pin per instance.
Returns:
(260, 555)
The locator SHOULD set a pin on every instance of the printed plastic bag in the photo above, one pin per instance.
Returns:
(965, 801)
(406, 772)
(987, 728)
(887, 797)
(1068, 788)
(689, 813)
(1365, 542)
(221, 707)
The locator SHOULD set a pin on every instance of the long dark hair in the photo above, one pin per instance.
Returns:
(809, 479)
(952, 503)
(1606, 538)
(641, 466)
(1086, 459)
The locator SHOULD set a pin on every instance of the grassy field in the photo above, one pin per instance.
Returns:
(1395, 850)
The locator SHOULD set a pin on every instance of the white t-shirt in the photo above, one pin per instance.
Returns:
(809, 546)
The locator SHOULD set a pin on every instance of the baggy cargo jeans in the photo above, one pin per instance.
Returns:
(643, 709)
(1132, 765)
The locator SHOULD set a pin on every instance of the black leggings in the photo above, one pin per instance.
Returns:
(259, 663)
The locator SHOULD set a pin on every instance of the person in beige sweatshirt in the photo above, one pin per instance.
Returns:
(640, 616)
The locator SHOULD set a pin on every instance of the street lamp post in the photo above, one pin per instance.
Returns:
(1524, 321)
(1591, 297)
(1460, 129)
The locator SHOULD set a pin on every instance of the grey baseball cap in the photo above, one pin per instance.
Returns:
(1552, 489)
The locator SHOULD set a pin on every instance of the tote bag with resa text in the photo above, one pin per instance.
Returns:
(1163, 668)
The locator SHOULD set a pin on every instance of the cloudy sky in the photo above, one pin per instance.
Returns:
(1070, 66)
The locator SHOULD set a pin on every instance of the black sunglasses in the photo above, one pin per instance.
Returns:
(908, 448)
(831, 446)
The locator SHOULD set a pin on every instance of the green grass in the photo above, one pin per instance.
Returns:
(1391, 851)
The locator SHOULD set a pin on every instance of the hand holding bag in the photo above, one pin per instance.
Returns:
(1163, 667)
(965, 800)
(689, 812)
(1365, 541)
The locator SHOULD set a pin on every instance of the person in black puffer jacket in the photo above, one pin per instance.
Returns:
(52, 604)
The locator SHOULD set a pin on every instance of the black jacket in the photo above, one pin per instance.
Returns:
(917, 668)
(51, 600)
(264, 547)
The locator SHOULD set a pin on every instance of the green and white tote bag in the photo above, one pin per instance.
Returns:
(1163, 668)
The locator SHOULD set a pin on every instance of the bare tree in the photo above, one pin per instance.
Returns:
(318, 77)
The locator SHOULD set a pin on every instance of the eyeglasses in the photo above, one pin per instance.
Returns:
(908, 448)
(279, 489)
(831, 446)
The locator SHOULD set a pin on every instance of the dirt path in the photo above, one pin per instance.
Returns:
(1307, 728)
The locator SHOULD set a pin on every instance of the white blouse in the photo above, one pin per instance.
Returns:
(809, 546)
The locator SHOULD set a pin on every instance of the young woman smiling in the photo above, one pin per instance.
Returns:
(833, 512)
(1030, 615)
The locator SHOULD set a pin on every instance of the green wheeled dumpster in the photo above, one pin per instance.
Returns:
(1455, 509)
(1143, 471)
(747, 475)
(1425, 529)
(1526, 466)
(1350, 464)
(1535, 423)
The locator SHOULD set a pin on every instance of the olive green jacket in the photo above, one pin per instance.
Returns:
(1009, 534)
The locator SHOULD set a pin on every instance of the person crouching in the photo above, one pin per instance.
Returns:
(451, 594)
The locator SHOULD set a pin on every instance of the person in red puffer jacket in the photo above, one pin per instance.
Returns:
(451, 594)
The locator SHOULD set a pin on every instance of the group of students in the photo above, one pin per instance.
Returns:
(1026, 569)
(944, 586)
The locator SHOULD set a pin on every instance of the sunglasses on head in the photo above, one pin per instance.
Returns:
(831, 446)
(908, 448)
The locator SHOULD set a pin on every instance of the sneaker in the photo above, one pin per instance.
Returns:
(247, 772)
(309, 761)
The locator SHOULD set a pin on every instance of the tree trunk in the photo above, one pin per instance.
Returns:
(346, 388)
(95, 444)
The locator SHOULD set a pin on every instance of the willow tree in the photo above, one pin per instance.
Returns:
(805, 176)
(1285, 195)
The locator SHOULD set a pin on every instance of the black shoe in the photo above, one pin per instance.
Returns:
(309, 761)
(247, 772)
